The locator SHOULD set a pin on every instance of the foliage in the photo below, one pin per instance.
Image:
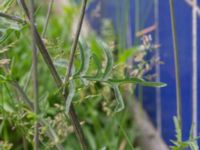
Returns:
(181, 145)
(97, 80)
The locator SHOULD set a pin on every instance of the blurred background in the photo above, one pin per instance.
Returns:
(132, 16)
(139, 35)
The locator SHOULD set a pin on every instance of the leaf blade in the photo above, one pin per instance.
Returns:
(120, 102)
(70, 95)
(85, 59)
(109, 60)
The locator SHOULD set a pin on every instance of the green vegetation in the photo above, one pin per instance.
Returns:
(82, 81)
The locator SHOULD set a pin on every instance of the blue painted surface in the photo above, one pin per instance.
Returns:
(168, 94)
(183, 13)
(199, 73)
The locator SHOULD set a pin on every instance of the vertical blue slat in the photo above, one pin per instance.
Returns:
(198, 42)
(147, 19)
(183, 14)
(184, 36)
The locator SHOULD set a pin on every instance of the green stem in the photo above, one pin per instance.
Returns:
(22, 94)
(176, 60)
(34, 74)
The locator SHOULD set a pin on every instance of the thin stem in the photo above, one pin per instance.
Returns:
(34, 74)
(158, 91)
(13, 18)
(43, 35)
(17, 87)
(47, 18)
(74, 45)
(69, 69)
(43, 49)
(25, 146)
(140, 90)
(176, 60)
(58, 81)
(25, 98)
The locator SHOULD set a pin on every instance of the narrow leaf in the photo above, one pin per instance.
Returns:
(98, 76)
(120, 102)
(5, 35)
(127, 80)
(153, 84)
(109, 60)
(85, 59)
(60, 63)
(3, 79)
(6, 5)
(124, 81)
(70, 95)
(98, 65)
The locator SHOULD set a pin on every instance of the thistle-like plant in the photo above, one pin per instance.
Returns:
(92, 68)
(103, 75)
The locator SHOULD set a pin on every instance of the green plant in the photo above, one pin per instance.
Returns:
(192, 142)
(54, 120)
(181, 145)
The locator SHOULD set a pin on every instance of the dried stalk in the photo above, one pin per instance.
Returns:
(74, 45)
(13, 18)
(58, 81)
(47, 18)
(34, 74)
(176, 60)
(69, 69)
(43, 35)
(23, 95)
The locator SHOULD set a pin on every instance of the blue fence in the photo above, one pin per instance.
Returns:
(144, 13)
